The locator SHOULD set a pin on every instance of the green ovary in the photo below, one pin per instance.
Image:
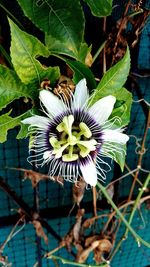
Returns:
(73, 141)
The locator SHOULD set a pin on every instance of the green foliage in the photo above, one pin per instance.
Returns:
(100, 8)
(62, 21)
(113, 79)
(111, 84)
(11, 87)
(81, 71)
(7, 123)
(25, 49)
(84, 52)
(24, 52)
(122, 107)
(63, 25)
(118, 155)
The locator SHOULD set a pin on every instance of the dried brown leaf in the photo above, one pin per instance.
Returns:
(68, 240)
(82, 257)
(36, 177)
(78, 191)
(73, 237)
(90, 239)
(104, 246)
(89, 60)
(39, 230)
(88, 222)
(77, 227)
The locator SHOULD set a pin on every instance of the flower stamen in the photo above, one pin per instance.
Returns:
(73, 142)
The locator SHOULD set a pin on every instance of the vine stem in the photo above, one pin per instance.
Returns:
(135, 179)
(121, 25)
(64, 261)
(140, 157)
(127, 204)
(95, 201)
(136, 203)
(127, 224)
(104, 50)
(99, 51)
(12, 16)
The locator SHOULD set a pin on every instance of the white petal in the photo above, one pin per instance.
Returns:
(115, 136)
(89, 173)
(81, 94)
(52, 103)
(102, 109)
(36, 120)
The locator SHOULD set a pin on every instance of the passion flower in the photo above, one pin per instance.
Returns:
(73, 138)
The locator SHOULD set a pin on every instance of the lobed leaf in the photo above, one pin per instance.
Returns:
(7, 123)
(25, 49)
(11, 87)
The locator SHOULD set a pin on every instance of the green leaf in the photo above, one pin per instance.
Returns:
(113, 79)
(81, 71)
(122, 111)
(62, 21)
(111, 84)
(11, 87)
(84, 52)
(120, 158)
(100, 8)
(55, 47)
(7, 123)
(117, 152)
(122, 107)
(25, 49)
(23, 131)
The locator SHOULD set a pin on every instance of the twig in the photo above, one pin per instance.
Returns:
(64, 261)
(122, 177)
(140, 156)
(111, 215)
(48, 254)
(26, 209)
(94, 201)
(132, 231)
(129, 170)
(136, 174)
(98, 51)
(121, 25)
(38, 238)
(136, 203)
(11, 234)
